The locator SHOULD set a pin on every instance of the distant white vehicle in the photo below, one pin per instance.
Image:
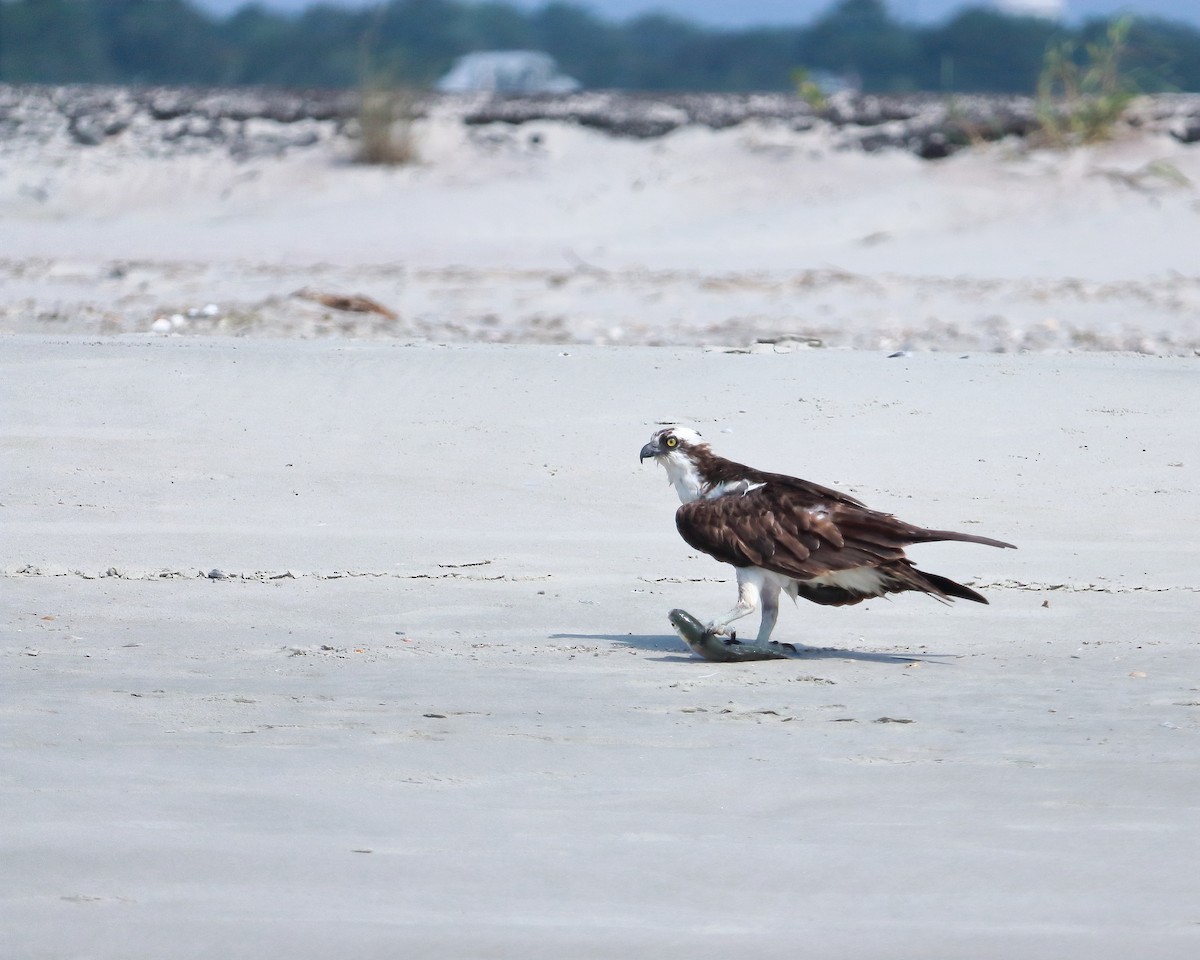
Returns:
(507, 71)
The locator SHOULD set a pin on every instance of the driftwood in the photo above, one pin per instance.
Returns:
(352, 303)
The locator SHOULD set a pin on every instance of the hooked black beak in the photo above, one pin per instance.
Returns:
(652, 449)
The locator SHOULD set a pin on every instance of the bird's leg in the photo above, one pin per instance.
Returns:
(770, 611)
(749, 585)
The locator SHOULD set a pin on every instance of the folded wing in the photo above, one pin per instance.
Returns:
(796, 532)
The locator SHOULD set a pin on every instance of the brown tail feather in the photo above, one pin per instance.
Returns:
(929, 536)
(951, 589)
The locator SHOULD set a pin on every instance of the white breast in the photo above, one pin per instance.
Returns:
(683, 476)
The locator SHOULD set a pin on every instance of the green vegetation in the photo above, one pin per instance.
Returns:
(385, 117)
(808, 89)
(415, 41)
(1082, 103)
(385, 109)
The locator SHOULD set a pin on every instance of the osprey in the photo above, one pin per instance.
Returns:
(792, 536)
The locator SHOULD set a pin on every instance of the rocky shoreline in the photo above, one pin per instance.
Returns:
(250, 122)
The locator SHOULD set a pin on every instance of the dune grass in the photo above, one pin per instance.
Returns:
(385, 122)
(1080, 103)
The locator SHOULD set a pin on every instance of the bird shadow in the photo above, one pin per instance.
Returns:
(670, 644)
(870, 656)
(666, 643)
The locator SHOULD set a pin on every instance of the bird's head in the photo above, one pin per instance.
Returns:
(676, 448)
(671, 443)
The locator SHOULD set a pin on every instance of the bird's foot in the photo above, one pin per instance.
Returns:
(719, 644)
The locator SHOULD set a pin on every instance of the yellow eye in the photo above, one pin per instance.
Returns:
(672, 442)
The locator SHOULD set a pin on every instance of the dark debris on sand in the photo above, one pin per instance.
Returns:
(255, 122)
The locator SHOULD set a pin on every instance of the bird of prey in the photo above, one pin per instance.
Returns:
(783, 534)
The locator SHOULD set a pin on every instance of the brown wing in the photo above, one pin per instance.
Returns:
(788, 532)
(791, 531)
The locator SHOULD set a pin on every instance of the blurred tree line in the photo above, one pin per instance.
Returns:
(412, 42)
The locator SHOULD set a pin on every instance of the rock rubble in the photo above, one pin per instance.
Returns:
(250, 123)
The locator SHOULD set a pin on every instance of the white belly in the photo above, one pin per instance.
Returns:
(866, 581)
(862, 581)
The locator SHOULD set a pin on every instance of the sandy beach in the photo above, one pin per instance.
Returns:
(355, 648)
(329, 634)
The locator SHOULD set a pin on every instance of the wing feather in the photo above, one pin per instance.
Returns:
(793, 531)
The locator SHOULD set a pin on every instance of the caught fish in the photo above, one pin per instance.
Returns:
(723, 649)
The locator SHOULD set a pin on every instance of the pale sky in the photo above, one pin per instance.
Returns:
(725, 13)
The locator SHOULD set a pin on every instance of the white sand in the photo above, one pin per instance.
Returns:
(428, 704)
(462, 728)
(698, 237)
